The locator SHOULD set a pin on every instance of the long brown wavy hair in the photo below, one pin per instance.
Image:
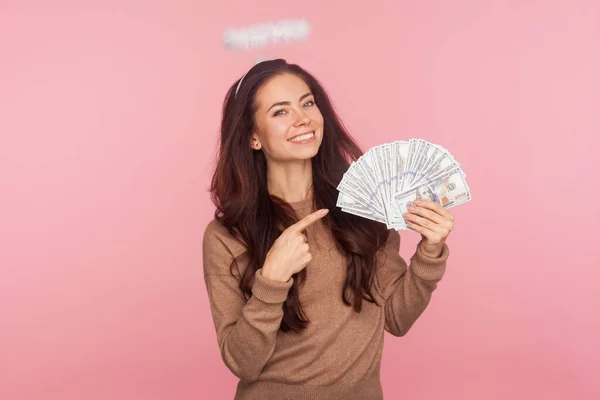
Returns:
(245, 207)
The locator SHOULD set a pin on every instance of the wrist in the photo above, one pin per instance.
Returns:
(271, 275)
(431, 250)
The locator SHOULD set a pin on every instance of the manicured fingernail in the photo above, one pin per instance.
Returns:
(324, 211)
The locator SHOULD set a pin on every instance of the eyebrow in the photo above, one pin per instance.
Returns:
(287, 103)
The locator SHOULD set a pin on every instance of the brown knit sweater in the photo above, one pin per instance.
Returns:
(338, 356)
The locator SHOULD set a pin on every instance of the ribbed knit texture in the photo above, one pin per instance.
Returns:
(338, 356)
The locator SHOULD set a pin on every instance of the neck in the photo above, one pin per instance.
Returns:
(291, 181)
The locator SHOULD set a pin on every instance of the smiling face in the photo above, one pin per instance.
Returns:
(289, 125)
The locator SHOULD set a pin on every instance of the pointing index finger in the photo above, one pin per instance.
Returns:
(309, 220)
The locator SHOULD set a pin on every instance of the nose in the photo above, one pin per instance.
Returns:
(302, 118)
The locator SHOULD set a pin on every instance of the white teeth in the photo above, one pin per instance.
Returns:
(303, 137)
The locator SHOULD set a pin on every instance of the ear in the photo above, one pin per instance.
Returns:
(255, 142)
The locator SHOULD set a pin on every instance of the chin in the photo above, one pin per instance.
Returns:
(310, 152)
(305, 155)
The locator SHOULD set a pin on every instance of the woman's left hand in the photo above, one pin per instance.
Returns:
(433, 222)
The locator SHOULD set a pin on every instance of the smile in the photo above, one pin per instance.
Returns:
(302, 138)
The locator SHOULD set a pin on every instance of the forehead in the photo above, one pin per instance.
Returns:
(285, 87)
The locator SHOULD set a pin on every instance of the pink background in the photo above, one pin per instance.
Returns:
(109, 115)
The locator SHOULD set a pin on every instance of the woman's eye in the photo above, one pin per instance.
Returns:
(282, 111)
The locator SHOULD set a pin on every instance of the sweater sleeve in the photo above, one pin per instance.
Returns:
(246, 330)
(407, 290)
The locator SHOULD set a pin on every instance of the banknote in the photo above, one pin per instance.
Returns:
(451, 192)
(385, 180)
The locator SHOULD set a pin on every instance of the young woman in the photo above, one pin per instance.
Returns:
(301, 292)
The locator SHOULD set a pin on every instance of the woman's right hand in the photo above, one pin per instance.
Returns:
(290, 253)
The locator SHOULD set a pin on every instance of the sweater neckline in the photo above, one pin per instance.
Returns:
(303, 206)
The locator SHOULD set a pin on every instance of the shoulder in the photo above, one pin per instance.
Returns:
(215, 230)
(219, 247)
(392, 242)
(217, 234)
(389, 249)
(390, 265)
(389, 253)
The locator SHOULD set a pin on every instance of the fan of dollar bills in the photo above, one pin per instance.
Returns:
(382, 183)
